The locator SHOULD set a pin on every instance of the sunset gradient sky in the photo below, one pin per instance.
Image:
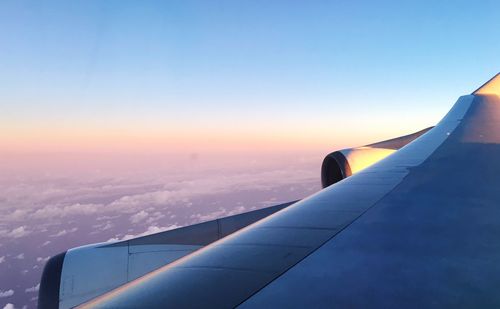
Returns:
(223, 76)
(122, 118)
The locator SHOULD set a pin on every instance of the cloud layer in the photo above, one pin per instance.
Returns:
(44, 214)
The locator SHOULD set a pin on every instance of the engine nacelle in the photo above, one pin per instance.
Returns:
(344, 163)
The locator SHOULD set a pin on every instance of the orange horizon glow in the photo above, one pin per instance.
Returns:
(141, 139)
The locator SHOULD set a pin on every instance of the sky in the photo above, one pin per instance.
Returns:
(122, 118)
(221, 76)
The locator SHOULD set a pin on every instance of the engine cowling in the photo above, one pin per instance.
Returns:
(346, 162)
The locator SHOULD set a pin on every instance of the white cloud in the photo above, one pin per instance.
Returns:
(52, 211)
(155, 217)
(66, 199)
(60, 233)
(2, 259)
(33, 289)
(17, 214)
(19, 256)
(107, 226)
(46, 243)
(216, 184)
(64, 232)
(208, 217)
(15, 233)
(149, 231)
(221, 212)
(106, 217)
(7, 293)
(138, 217)
(11, 306)
(103, 226)
(42, 259)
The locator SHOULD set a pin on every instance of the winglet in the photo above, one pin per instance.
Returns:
(490, 87)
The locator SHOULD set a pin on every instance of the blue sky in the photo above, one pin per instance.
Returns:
(328, 71)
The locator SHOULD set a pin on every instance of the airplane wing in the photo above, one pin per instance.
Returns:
(419, 228)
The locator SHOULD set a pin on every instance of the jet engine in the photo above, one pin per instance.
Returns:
(343, 163)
